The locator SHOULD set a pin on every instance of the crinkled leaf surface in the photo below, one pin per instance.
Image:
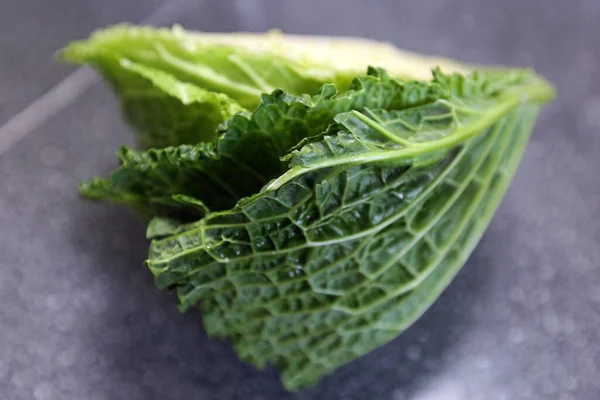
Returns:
(324, 221)
(345, 250)
(247, 152)
(337, 262)
(160, 182)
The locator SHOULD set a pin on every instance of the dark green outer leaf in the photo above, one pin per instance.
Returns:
(168, 182)
(338, 261)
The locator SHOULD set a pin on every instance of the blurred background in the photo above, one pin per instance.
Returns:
(80, 317)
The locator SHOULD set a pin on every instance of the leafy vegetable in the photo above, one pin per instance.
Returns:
(311, 225)
(176, 86)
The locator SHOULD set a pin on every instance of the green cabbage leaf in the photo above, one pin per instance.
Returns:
(312, 208)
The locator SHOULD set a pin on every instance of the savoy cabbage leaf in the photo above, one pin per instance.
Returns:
(222, 171)
(311, 212)
(176, 86)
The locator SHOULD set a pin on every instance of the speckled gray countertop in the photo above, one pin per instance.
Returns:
(80, 317)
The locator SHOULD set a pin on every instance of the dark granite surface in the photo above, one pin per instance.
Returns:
(80, 317)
